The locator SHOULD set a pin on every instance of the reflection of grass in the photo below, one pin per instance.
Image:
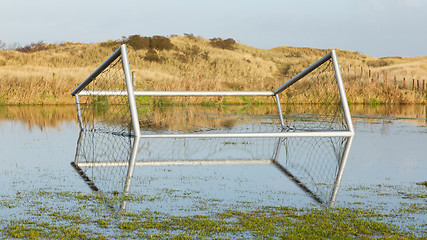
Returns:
(101, 105)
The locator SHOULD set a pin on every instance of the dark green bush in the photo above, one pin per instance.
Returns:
(156, 42)
(223, 44)
(160, 43)
(137, 42)
(152, 56)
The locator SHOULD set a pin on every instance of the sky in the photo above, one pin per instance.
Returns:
(378, 28)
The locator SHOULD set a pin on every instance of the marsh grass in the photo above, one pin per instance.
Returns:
(48, 74)
(267, 222)
(76, 215)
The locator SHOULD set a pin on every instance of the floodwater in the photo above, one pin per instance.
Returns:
(387, 158)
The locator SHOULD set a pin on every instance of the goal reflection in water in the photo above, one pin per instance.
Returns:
(106, 161)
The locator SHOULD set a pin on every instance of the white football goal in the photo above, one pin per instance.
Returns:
(112, 105)
(122, 127)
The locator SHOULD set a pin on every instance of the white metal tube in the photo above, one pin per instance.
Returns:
(176, 163)
(178, 93)
(340, 84)
(340, 171)
(131, 97)
(253, 135)
(131, 165)
(79, 111)
(282, 122)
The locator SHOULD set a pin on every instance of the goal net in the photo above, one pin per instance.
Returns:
(122, 127)
(107, 102)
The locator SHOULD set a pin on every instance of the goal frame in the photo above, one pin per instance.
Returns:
(275, 94)
(131, 94)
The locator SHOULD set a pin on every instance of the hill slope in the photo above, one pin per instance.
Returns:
(47, 73)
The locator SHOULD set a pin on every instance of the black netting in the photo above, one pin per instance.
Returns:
(107, 113)
(314, 103)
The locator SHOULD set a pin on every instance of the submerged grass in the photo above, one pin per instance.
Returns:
(85, 220)
(285, 223)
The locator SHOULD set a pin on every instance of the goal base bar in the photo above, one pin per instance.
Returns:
(175, 163)
(245, 135)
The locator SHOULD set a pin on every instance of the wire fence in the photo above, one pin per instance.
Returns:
(366, 76)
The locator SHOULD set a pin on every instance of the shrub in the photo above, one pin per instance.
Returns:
(35, 47)
(190, 36)
(156, 42)
(137, 42)
(191, 53)
(152, 56)
(379, 63)
(223, 44)
(160, 43)
(111, 44)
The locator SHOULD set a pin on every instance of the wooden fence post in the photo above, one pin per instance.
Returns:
(133, 79)
(404, 85)
(413, 84)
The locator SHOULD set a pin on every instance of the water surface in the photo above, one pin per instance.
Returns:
(387, 159)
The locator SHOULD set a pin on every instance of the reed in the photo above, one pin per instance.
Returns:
(49, 75)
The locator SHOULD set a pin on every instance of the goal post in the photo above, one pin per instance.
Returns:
(120, 131)
(108, 88)
(120, 53)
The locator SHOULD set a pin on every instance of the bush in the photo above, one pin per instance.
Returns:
(35, 47)
(137, 42)
(379, 63)
(111, 44)
(160, 43)
(223, 44)
(156, 42)
(190, 36)
(152, 56)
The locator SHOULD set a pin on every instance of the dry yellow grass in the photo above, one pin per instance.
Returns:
(48, 76)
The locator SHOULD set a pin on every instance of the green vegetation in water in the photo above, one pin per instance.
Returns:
(101, 104)
(273, 222)
(87, 219)
(422, 183)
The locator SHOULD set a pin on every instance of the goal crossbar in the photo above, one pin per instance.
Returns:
(178, 93)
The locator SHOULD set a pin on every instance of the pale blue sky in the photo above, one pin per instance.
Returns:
(374, 27)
